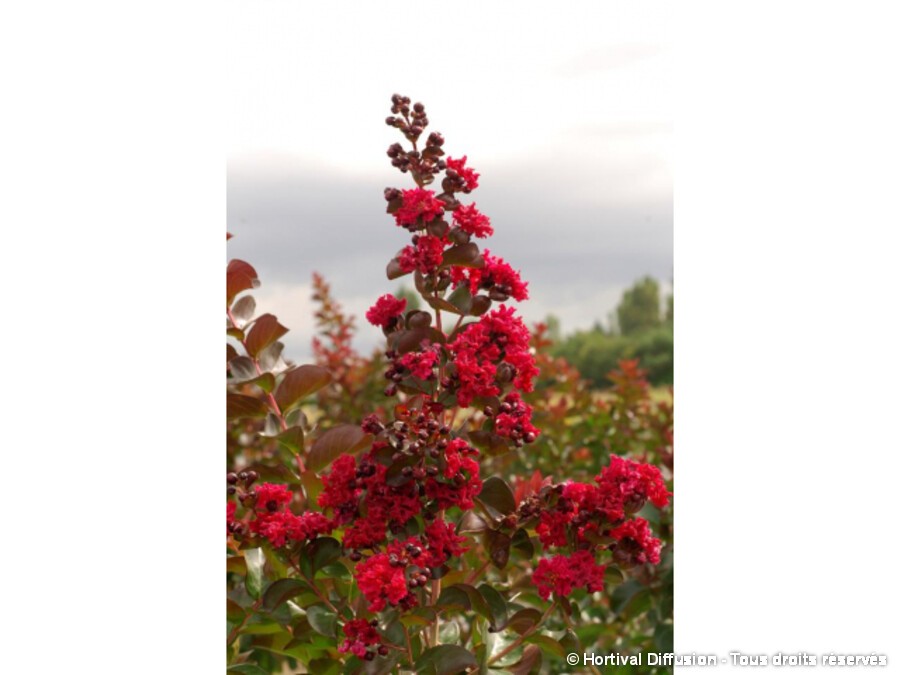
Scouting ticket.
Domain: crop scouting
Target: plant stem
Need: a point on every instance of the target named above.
(477, 573)
(524, 635)
(408, 646)
(273, 404)
(569, 625)
(237, 629)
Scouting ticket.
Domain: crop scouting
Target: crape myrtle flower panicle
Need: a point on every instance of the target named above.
(360, 634)
(497, 277)
(472, 221)
(634, 483)
(636, 543)
(561, 574)
(386, 310)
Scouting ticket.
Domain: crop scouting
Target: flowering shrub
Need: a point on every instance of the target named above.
(381, 545)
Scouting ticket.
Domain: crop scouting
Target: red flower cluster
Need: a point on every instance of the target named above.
(273, 519)
(382, 583)
(386, 310)
(458, 167)
(585, 514)
(492, 352)
(560, 574)
(472, 221)
(419, 207)
(634, 483)
(636, 544)
(514, 420)
(420, 364)
(424, 256)
(497, 277)
(360, 635)
(437, 474)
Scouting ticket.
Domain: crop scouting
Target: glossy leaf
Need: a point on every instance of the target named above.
(529, 663)
(255, 560)
(464, 255)
(498, 545)
(471, 522)
(282, 591)
(298, 383)
(322, 619)
(346, 439)
(234, 612)
(264, 332)
(238, 406)
(394, 271)
(445, 660)
(242, 310)
(240, 276)
(524, 620)
(491, 443)
(270, 358)
(547, 644)
(242, 369)
(461, 299)
(247, 669)
(497, 605)
(497, 494)
(323, 551)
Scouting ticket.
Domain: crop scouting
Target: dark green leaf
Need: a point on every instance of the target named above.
(474, 599)
(662, 637)
(445, 660)
(461, 299)
(322, 551)
(522, 542)
(298, 383)
(345, 439)
(247, 669)
(234, 612)
(523, 620)
(547, 644)
(497, 494)
(322, 619)
(440, 303)
(497, 605)
(453, 597)
(255, 560)
(238, 406)
(264, 332)
(281, 591)
(326, 666)
(292, 439)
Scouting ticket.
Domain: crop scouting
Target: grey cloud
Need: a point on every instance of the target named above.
(579, 233)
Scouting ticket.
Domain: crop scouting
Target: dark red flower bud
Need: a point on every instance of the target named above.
(232, 478)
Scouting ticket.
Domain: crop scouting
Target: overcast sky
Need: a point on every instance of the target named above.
(565, 110)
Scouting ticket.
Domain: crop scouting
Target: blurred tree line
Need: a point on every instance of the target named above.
(639, 328)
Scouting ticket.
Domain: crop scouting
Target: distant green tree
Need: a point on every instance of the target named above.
(553, 327)
(639, 308)
(412, 298)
